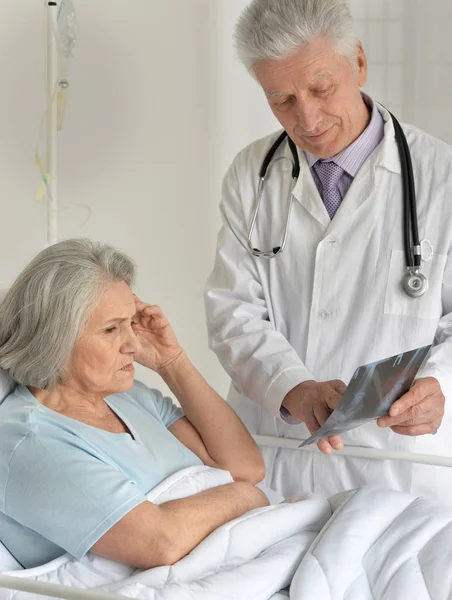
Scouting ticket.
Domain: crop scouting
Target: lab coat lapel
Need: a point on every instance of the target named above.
(369, 179)
(386, 156)
(361, 190)
(307, 194)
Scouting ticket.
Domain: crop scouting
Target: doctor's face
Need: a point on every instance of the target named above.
(315, 95)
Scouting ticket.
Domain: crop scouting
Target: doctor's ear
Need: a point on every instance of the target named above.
(361, 66)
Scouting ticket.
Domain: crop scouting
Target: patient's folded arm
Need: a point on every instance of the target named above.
(150, 535)
(211, 429)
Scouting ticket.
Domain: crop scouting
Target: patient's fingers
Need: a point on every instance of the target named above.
(145, 305)
(152, 310)
(150, 313)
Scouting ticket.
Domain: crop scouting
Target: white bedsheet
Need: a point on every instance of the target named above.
(366, 544)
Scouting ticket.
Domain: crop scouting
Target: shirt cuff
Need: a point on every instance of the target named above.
(287, 417)
(281, 385)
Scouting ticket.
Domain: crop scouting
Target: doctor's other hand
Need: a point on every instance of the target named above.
(159, 347)
(312, 403)
(419, 411)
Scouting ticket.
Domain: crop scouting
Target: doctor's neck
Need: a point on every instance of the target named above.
(364, 117)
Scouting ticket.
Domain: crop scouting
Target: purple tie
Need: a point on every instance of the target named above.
(329, 174)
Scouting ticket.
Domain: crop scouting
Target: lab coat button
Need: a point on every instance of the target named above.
(323, 315)
(332, 241)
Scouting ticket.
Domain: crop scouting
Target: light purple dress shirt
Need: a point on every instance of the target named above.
(354, 156)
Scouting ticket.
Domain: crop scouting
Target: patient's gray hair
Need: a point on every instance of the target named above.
(43, 313)
(274, 29)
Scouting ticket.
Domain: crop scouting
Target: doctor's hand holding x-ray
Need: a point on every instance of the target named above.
(335, 252)
(312, 403)
(418, 412)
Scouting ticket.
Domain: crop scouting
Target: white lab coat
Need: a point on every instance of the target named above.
(331, 302)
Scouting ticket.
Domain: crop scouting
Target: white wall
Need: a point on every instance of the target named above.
(138, 146)
(158, 107)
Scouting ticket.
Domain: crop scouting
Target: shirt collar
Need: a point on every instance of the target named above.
(352, 158)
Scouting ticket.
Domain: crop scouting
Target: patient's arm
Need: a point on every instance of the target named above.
(150, 535)
(211, 428)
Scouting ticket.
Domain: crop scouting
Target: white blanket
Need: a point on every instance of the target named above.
(366, 544)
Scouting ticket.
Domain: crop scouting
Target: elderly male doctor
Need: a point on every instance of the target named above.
(291, 330)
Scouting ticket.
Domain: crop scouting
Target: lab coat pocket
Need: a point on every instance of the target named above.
(428, 306)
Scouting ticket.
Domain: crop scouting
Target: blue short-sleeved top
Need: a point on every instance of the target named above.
(64, 484)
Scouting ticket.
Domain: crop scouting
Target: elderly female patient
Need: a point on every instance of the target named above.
(81, 442)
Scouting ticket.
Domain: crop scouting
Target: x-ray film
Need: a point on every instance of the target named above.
(371, 392)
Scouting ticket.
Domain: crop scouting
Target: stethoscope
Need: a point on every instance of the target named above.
(414, 283)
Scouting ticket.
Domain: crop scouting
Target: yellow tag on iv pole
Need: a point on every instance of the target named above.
(42, 190)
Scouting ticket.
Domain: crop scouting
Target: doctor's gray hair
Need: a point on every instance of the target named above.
(274, 29)
(43, 313)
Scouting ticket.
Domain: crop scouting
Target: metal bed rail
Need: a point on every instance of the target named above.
(357, 451)
(53, 589)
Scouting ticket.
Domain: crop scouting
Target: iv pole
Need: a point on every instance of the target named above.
(52, 122)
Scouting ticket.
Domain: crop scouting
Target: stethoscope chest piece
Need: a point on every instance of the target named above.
(414, 283)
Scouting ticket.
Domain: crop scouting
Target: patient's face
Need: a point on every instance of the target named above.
(102, 359)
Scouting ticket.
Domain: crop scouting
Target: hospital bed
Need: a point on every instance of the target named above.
(379, 532)
(313, 515)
